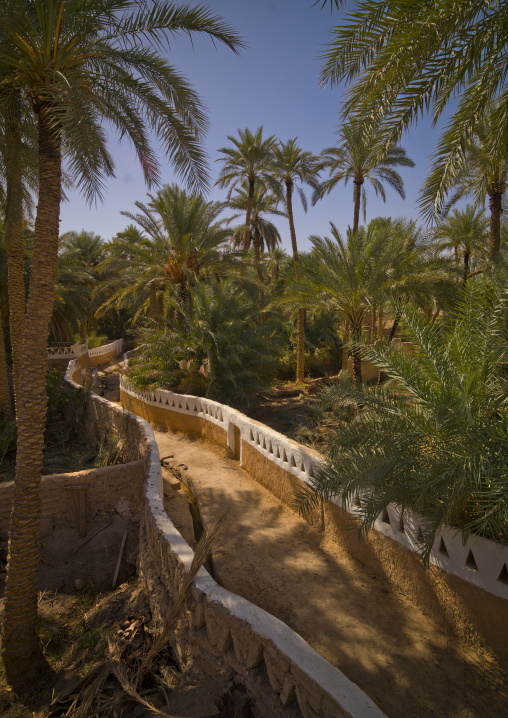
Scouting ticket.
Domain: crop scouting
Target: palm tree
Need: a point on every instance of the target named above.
(434, 439)
(179, 242)
(480, 170)
(355, 275)
(406, 57)
(249, 160)
(78, 65)
(342, 274)
(263, 234)
(20, 171)
(291, 165)
(466, 233)
(84, 251)
(359, 157)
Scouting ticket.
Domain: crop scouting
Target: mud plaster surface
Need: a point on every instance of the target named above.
(407, 664)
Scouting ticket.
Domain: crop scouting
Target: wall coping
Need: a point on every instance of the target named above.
(478, 561)
(331, 680)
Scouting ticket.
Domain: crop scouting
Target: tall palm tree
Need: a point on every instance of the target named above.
(263, 234)
(249, 160)
(466, 233)
(479, 170)
(78, 65)
(18, 142)
(359, 156)
(291, 165)
(404, 58)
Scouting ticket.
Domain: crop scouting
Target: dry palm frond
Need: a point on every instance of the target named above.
(130, 663)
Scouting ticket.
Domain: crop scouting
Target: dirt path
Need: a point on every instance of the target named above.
(266, 553)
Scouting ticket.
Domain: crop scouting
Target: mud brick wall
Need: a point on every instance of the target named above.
(467, 598)
(106, 488)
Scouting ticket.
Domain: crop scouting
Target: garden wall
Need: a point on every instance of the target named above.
(226, 634)
(465, 588)
(104, 490)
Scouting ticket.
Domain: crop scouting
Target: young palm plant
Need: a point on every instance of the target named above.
(79, 65)
(434, 439)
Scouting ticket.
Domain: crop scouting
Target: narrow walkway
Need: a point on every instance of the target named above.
(359, 622)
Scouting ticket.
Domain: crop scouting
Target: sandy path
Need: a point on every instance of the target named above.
(267, 554)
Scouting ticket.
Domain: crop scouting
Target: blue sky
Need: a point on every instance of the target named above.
(273, 83)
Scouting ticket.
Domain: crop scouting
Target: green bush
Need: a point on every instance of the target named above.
(434, 439)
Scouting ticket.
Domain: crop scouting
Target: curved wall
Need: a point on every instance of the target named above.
(226, 633)
(466, 587)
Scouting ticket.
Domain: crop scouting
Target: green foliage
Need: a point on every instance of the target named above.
(405, 58)
(221, 332)
(434, 439)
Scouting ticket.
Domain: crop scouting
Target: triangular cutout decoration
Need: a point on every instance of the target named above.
(442, 548)
(251, 435)
(195, 408)
(302, 466)
(293, 462)
(311, 472)
(503, 576)
(284, 457)
(470, 562)
(385, 518)
(402, 528)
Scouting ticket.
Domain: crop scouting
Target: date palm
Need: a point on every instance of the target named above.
(359, 157)
(479, 170)
(293, 167)
(79, 65)
(177, 241)
(466, 233)
(433, 440)
(248, 160)
(404, 58)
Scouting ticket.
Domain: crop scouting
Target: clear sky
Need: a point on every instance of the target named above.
(274, 83)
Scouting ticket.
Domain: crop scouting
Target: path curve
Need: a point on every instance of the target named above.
(360, 623)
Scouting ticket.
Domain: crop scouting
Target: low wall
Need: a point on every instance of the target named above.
(227, 634)
(106, 489)
(466, 587)
(106, 353)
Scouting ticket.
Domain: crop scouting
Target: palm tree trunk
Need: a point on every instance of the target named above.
(257, 255)
(289, 207)
(496, 192)
(357, 199)
(381, 376)
(356, 355)
(14, 238)
(380, 325)
(19, 637)
(300, 327)
(5, 394)
(465, 270)
(152, 308)
(250, 202)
